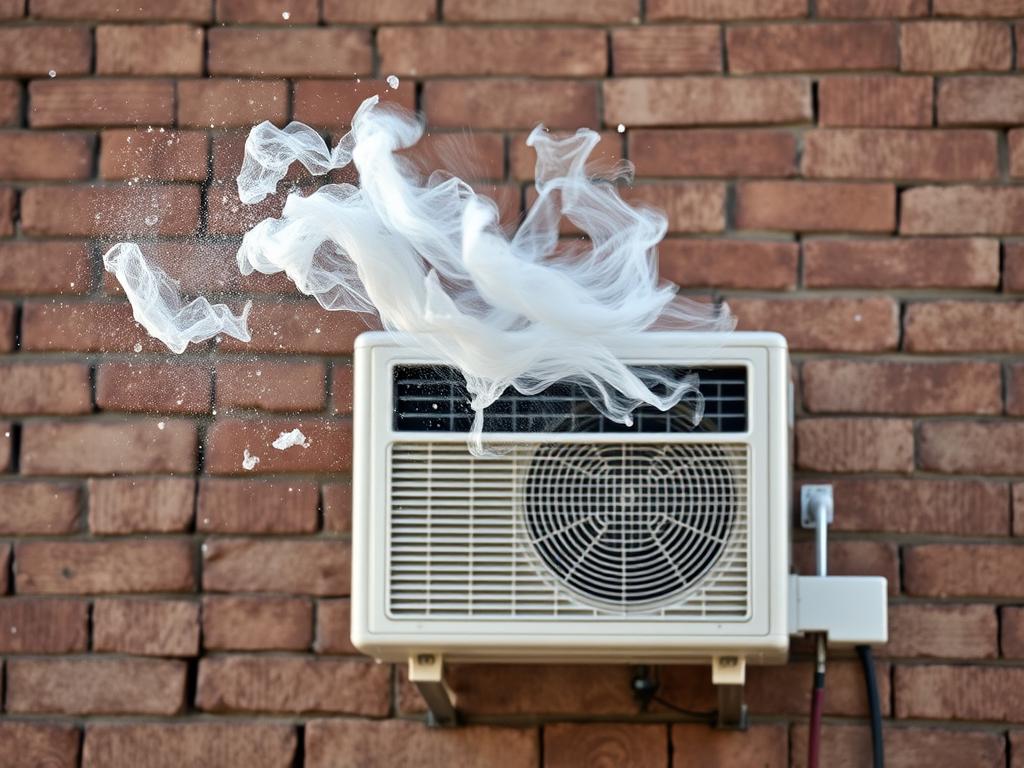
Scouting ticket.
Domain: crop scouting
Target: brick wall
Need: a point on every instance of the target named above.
(843, 171)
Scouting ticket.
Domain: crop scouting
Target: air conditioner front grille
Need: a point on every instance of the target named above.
(431, 398)
(569, 530)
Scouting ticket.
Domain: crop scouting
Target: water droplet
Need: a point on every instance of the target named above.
(161, 424)
(151, 220)
(137, 347)
(621, 128)
(52, 73)
(393, 81)
(285, 15)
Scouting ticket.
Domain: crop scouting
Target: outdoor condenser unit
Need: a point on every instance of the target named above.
(579, 539)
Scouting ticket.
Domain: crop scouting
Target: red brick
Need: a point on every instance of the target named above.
(43, 626)
(783, 689)
(981, 100)
(10, 102)
(107, 102)
(963, 570)
(294, 567)
(30, 745)
(30, 388)
(938, 691)
(604, 160)
(101, 10)
(566, 11)
(690, 206)
(304, 328)
(710, 152)
(695, 746)
(832, 324)
(849, 746)
(942, 631)
(1018, 509)
(6, 446)
(29, 268)
(863, 9)
(229, 102)
(107, 447)
(332, 103)
(665, 10)
(292, 684)
(225, 215)
(7, 198)
(964, 326)
(1012, 635)
(902, 263)
(900, 154)
(850, 386)
(172, 49)
(269, 386)
(377, 744)
(1016, 143)
(89, 327)
(268, 11)
(140, 505)
(146, 627)
(7, 327)
(153, 155)
(875, 100)
(1015, 390)
(855, 445)
(810, 47)
(96, 686)
(983, 448)
(243, 506)
(959, 210)
(330, 448)
(852, 558)
(103, 567)
(337, 499)
(651, 101)
(257, 623)
(379, 11)
(33, 51)
(173, 745)
(807, 206)
(28, 156)
(156, 387)
(39, 507)
(955, 46)
(695, 262)
(5, 567)
(978, 7)
(1013, 267)
(333, 627)
(504, 104)
(576, 745)
(667, 50)
(90, 211)
(289, 52)
(562, 52)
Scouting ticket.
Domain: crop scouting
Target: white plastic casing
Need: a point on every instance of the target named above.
(761, 637)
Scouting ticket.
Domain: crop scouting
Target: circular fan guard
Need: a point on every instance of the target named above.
(629, 524)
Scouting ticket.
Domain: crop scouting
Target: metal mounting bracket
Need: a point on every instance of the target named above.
(426, 672)
(729, 673)
(811, 496)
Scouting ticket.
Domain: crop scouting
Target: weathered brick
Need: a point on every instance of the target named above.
(172, 49)
(304, 328)
(901, 263)
(664, 10)
(29, 156)
(849, 746)
(567, 11)
(562, 52)
(691, 206)
(6, 326)
(146, 627)
(333, 627)
(268, 11)
(849, 386)
(900, 154)
(242, 506)
(10, 102)
(504, 103)
(342, 388)
(1012, 632)
(33, 51)
(1015, 390)
(863, 9)
(292, 684)
(156, 387)
(257, 623)
(270, 386)
(30, 745)
(332, 103)
(832, 324)
(44, 388)
(337, 499)
(1013, 267)
(963, 570)
(103, 567)
(855, 445)
(106, 447)
(174, 745)
(379, 11)
(43, 626)
(90, 211)
(81, 327)
(5, 566)
(729, 263)
(96, 686)
(964, 326)
(291, 566)
(942, 631)
(107, 102)
(875, 100)
(228, 102)
(376, 744)
(667, 50)
(978, 7)
(961, 210)
(1016, 144)
(289, 52)
(852, 558)
(955, 46)
(695, 746)
(782, 689)
(153, 155)
(984, 448)
(39, 507)
(652, 101)
(29, 268)
(981, 100)
(810, 47)
(101, 10)
(713, 152)
(330, 446)
(140, 505)
(807, 206)
(939, 691)
(1018, 509)
(7, 200)
(573, 745)
(6, 446)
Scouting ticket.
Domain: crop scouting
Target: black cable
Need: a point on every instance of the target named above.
(646, 683)
(867, 661)
(700, 716)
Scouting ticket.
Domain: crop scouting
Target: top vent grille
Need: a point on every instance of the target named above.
(431, 398)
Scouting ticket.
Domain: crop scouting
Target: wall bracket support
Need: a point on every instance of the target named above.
(426, 672)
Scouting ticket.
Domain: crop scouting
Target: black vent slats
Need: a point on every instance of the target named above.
(431, 398)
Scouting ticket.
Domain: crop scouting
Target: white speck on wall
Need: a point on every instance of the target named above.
(288, 440)
(285, 15)
(52, 73)
(249, 462)
(137, 347)
(621, 128)
(161, 425)
(393, 81)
